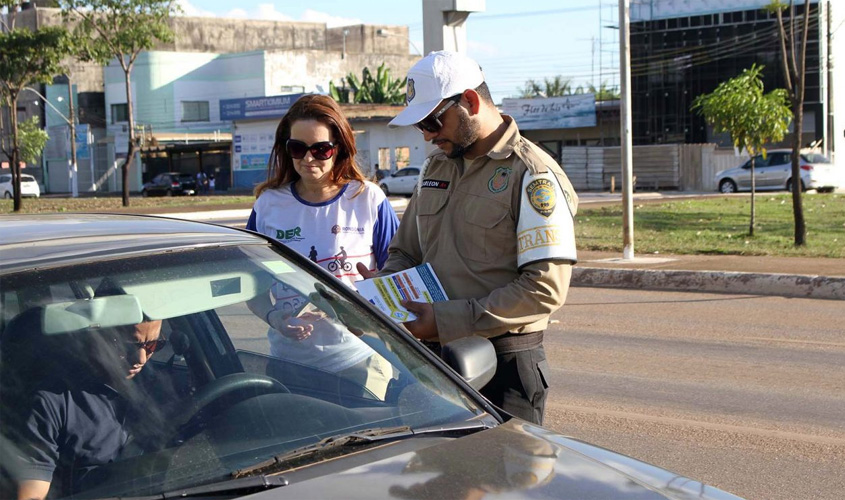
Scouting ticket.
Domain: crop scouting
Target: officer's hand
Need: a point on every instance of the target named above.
(364, 271)
(424, 327)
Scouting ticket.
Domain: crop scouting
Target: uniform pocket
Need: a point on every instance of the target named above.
(430, 210)
(490, 233)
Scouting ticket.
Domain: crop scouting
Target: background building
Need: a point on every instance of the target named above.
(177, 88)
(680, 50)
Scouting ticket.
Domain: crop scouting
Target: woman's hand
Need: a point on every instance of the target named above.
(298, 328)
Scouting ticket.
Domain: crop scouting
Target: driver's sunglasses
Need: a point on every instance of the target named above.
(432, 123)
(319, 150)
(150, 346)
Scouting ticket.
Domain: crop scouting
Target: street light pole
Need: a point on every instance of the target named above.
(72, 179)
(385, 33)
(626, 143)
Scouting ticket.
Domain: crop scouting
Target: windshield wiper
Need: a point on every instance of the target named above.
(364, 437)
(239, 487)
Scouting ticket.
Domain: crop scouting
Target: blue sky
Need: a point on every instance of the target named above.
(512, 41)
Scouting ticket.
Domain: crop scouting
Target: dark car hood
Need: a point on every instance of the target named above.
(514, 460)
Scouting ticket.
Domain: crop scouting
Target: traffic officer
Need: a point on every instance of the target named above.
(493, 215)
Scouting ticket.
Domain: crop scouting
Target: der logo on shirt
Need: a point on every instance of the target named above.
(294, 234)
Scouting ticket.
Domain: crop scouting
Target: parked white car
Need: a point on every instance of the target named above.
(775, 172)
(29, 186)
(402, 181)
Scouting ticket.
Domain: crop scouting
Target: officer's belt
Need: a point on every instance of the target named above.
(515, 342)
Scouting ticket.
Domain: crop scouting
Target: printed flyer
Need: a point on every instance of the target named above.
(418, 284)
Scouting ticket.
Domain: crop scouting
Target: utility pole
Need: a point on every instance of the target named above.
(626, 143)
(74, 180)
(831, 129)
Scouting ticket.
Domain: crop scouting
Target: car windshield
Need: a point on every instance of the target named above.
(814, 158)
(176, 344)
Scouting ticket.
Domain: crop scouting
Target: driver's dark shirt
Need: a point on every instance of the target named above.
(70, 432)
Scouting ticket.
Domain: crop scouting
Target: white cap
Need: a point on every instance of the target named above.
(433, 78)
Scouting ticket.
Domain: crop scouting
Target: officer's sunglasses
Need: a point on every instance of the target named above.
(319, 150)
(432, 123)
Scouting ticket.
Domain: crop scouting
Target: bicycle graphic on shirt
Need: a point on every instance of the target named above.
(339, 261)
(336, 264)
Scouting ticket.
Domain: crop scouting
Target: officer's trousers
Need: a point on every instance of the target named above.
(520, 385)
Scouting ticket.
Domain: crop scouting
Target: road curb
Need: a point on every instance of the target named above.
(785, 285)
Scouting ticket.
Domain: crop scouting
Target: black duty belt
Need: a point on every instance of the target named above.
(515, 342)
(504, 344)
(432, 346)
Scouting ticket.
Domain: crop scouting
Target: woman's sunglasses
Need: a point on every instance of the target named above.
(319, 150)
(432, 123)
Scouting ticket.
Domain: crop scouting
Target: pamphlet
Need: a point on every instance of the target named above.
(418, 284)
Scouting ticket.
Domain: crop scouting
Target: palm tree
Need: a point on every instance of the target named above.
(558, 86)
(378, 89)
(603, 92)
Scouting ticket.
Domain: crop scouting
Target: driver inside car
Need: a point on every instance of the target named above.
(86, 418)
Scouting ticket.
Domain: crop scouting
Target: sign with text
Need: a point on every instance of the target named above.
(250, 108)
(548, 113)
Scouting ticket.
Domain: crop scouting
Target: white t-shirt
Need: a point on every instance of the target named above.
(335, 234)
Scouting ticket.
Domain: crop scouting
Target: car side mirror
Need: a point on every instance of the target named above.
(474, 358)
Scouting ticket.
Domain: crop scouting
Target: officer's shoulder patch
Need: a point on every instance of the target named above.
(542, 196)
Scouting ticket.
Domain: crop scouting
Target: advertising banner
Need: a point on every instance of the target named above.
(256, 107)
(552, 112)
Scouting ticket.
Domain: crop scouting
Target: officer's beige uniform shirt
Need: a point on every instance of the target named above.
(462, 220)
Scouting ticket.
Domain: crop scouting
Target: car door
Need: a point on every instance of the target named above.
(744, 178)
(777, 171)
(6, 185)
(408, 179)
(154, 188)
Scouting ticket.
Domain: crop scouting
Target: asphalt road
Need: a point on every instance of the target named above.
(746, 393)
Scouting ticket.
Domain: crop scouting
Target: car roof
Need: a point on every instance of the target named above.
(50, 239)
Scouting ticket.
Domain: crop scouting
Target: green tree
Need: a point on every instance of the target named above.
(375, 89)
(560, 86)
(26, 58)
(32, 139)
(555, 87)
(753, 119)
(793, 61)
(603, 92)
(120, 29)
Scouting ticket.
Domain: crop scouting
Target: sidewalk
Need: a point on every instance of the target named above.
(758, 275)
(821, 278)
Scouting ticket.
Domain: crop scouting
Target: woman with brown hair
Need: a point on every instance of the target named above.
(316, 196)
(317, 202)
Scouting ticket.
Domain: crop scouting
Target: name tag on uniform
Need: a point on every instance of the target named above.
(435, 184)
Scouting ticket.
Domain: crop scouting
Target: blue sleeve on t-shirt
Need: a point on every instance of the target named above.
(251, 224)
(385, 228)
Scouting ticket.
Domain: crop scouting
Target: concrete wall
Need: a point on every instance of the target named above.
(364, 39)
(210, 34)
(312, 70)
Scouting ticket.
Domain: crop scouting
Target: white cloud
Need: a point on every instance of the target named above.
(237, 14)
(191, 10)
(313, 16)
(268, 12)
